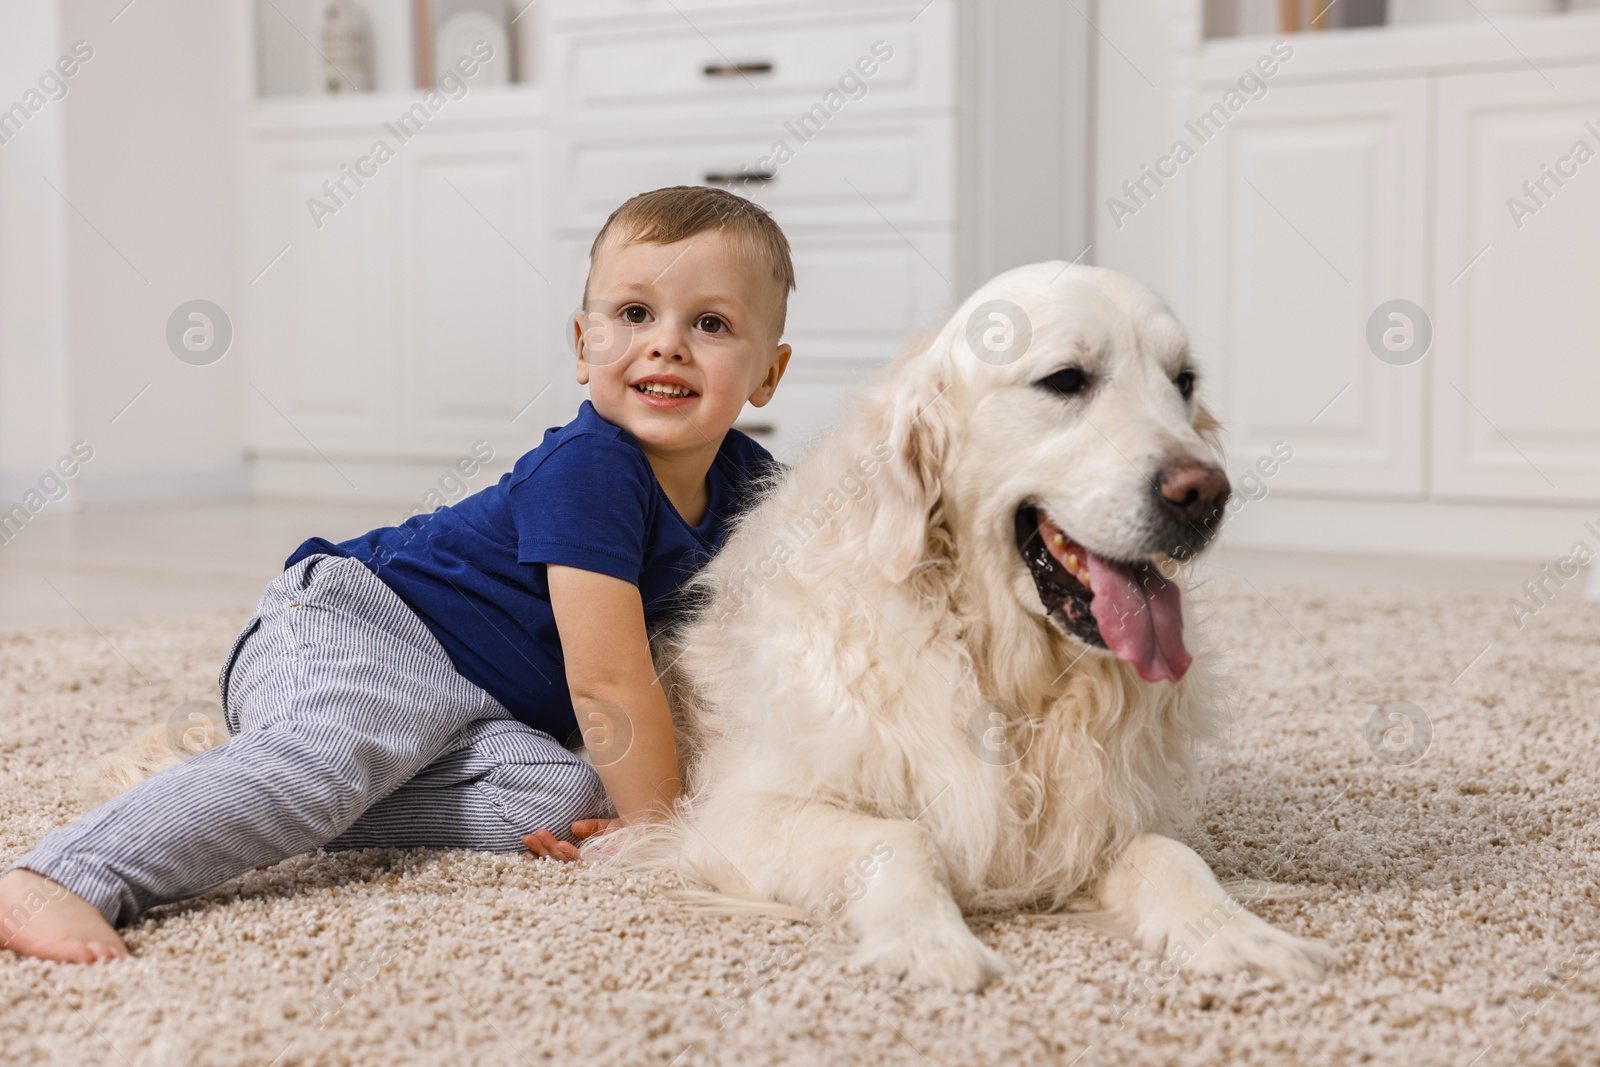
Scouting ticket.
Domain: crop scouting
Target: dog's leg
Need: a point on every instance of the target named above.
(1162, 895)
(883, 879)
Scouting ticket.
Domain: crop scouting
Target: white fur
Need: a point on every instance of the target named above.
(827, 687)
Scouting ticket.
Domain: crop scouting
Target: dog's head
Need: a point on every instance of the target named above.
(1055, 427)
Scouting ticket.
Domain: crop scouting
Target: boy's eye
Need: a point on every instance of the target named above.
(634, 314)
(712, 324)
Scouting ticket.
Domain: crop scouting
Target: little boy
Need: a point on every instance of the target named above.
(406, 688)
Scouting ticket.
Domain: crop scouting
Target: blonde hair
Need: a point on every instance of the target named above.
(666, 216)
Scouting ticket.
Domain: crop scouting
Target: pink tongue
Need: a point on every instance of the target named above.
(1139, 616)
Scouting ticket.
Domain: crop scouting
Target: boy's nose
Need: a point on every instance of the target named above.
(667, 342)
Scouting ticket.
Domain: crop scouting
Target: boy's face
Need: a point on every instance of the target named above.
(694, 312)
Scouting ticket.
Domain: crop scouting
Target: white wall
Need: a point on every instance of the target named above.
(1023, 172)
(149, 146)
(1139, 110)
(34, 376)
(140, 149)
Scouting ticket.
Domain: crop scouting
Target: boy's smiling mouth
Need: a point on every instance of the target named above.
(663, 391)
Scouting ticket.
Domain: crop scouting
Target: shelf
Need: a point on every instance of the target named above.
(1394, 51)
(288, 50)
(293, 114)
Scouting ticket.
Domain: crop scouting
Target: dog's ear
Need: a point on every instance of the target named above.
(1206, 425)
(914, 429)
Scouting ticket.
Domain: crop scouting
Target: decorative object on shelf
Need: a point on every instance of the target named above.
(1244, 18)
(1241, 18)
(1297, 16)
(346, 48)
(450, 30)
(422, 37)
(461, 25)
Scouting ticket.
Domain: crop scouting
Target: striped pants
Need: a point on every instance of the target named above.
(349, 728)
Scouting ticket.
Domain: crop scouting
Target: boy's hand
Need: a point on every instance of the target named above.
(545, 845)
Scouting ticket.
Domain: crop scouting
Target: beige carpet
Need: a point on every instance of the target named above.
(1461, 891)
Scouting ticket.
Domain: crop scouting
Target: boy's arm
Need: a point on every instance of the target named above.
(621, 708)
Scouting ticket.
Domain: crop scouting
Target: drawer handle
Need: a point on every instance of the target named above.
(737, 70)
(756, 429)
(724, 178)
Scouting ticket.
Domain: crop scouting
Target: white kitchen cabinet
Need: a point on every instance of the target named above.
(428, 312)
(864, 188)
(1312, 208)
(417, 318)
(1382, 164)
(1516, 375)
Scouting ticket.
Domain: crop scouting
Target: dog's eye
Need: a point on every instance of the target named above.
(1069, 381)
(1185, 383)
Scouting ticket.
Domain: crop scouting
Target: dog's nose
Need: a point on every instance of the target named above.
(1194, 490)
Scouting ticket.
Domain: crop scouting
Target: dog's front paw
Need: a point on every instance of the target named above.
(943, 954)
(1247, 943)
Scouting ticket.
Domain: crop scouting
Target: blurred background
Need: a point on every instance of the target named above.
(278, 268)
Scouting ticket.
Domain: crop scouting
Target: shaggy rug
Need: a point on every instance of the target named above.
(1423, 803)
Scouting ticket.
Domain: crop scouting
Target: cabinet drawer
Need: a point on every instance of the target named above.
(809, 404)
(614, 11)
(865, 299)
(859, 301)
(856, 173)
(850, 63)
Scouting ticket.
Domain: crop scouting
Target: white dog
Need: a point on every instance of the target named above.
(938, 667)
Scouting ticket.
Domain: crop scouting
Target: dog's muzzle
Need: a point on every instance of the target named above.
(1130, 609)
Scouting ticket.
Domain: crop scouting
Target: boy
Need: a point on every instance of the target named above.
(406, 688)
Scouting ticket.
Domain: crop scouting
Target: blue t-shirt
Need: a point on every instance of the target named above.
(586, 497)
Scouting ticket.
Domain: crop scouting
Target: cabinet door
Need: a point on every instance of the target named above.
(318, 336)
(1517, 287)
(481, 337)
(1308, 213)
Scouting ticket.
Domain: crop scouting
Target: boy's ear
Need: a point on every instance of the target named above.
(769, 384)
(576, 322)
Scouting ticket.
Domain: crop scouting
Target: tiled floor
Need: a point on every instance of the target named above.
(109, 565)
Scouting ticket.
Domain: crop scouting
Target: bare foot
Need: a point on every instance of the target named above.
(46, 920)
